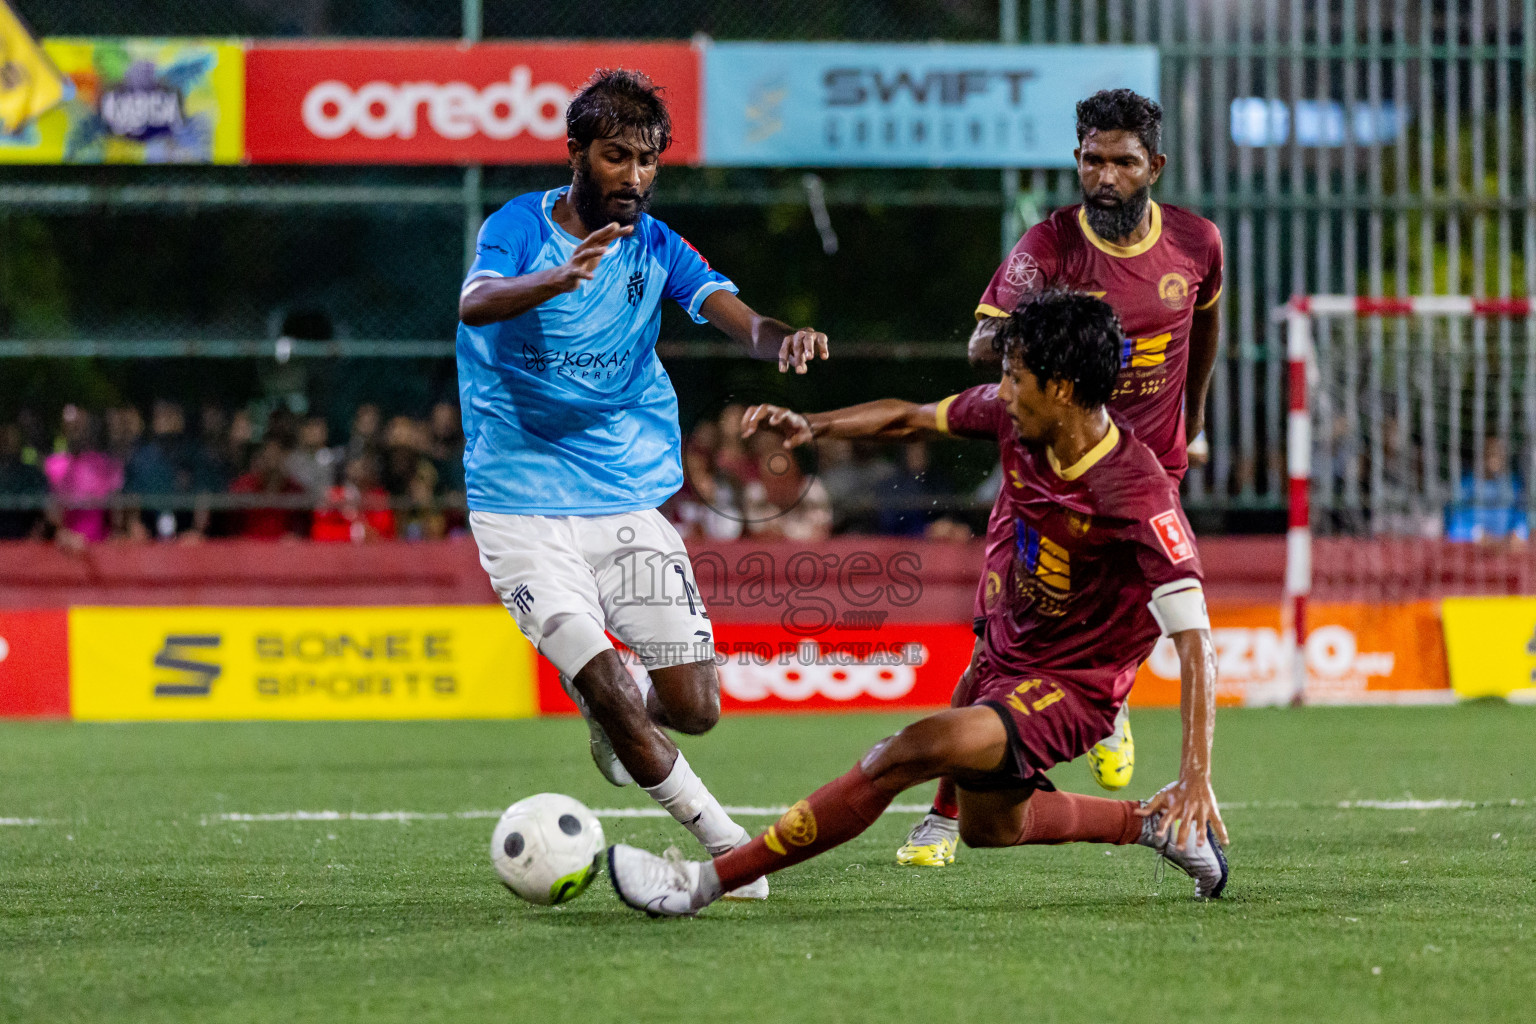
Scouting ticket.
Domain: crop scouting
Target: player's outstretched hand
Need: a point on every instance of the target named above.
(583, 262)
(795, 428)
(800, 348)
(1189, 805)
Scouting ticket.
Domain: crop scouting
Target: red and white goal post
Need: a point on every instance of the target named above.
(1406, 403)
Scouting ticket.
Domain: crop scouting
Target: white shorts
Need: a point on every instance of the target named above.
(567, 579)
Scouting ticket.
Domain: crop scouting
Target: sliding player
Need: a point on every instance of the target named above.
(573, 441)
(1101, 563)
(1159, 268)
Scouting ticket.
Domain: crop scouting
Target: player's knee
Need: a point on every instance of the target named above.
(698, 717)
(917, 750)
(986, 832)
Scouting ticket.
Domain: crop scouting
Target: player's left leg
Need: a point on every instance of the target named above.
(651, 603)
(962, 741)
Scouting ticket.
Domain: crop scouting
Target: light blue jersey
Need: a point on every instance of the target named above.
(567, 410)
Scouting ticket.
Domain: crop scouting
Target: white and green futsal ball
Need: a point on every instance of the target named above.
(546, 848)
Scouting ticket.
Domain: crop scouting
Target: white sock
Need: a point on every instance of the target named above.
(709, 888)
(683, 794)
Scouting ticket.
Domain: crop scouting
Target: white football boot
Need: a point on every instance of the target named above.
(931, 843)
(603, 755)
(1205, 862)
(660, 886)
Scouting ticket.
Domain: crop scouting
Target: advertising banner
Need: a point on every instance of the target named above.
(140, 101)
(34, 664)
(204, 664)
(441, 103)
(765, 667)
(909, 105)
(29, 83)
(1355, 653)
(1490, 643)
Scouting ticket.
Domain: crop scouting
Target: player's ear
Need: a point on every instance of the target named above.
(1158, 162)
(573, 149)
(1060, 391)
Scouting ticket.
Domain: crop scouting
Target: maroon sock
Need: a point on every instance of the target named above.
(1053, 817)
(832, 815)
(944, 801)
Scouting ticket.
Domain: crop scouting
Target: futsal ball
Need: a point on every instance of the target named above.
(547, 848)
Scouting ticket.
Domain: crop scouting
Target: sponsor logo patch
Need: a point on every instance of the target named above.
(1173, 289)
(1170, 534)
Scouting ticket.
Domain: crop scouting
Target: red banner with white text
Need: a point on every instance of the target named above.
(442, 103)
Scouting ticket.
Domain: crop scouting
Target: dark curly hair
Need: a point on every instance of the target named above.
(1121, 110)
(615, 101)
(1061, 335)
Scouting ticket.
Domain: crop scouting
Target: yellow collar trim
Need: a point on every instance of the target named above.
(1087, 462)
(1153, 234)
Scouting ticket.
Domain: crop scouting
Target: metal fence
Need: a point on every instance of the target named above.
(1346, 146)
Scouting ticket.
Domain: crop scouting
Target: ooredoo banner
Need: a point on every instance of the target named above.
(1355, 653)
(768, 668)
(441, 103)
(200, 664)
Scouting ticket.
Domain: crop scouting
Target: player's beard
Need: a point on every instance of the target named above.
(592, 205)
(1118, 221)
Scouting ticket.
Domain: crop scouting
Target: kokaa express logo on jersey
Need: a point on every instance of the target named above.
(1170, 534)
(567, 363)
(1173, 289)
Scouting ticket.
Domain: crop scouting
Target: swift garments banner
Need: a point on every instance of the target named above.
(441, 103)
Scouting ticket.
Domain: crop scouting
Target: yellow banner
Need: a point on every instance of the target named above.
(140, 101)
(29, 83)
(1490, 643)
(156, 664)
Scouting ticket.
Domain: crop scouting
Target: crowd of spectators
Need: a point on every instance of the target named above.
(754, 488)
(95, 476)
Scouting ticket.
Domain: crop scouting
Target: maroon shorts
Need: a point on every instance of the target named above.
(1049, 721)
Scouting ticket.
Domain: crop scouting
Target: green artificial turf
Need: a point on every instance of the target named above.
(134, 901)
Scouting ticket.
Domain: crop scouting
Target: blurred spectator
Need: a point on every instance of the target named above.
(237, 443)
(212, 468)
(125, 427)
(405, 447)
(19, 481)
(312, 464)
(904, 495)
(781, 501)
(267, 476)
(364, 438)
(161, 466)
(81, 473)
(1489, 504)
(358, 509)
(708, 505)
(423, 519)
(732, 457)
(447, 451)
(853, 475)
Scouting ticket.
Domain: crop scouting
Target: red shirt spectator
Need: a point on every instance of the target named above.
(266, 476)
(357, 510)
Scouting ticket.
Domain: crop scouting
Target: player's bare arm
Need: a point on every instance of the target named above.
(489, 300)
(888, 419)
(1204, 336)
(1189, 803)
(979, 349)
(765, 337)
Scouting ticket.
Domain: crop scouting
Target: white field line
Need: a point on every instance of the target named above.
(775, 811)
(24, 821)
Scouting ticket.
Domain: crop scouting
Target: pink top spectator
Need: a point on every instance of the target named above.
(84, 476)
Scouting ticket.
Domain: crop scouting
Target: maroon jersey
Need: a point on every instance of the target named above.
(1154, 286)
(1067, 596)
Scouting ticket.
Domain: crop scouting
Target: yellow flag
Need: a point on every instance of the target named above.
(29, 83)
